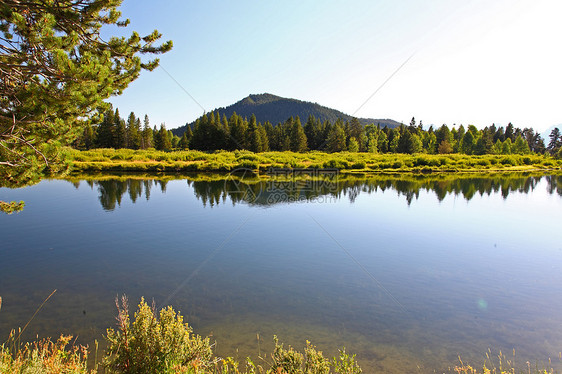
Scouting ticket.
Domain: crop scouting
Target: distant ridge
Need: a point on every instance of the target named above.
(276, 109)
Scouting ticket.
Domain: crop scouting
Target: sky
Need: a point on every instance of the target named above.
(441, 61)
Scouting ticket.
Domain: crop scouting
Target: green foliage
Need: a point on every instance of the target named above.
(56, 71)
(179, 161)
(336, 139)
(289, 361)
(163, 343)
(154, 343)
(353, 145)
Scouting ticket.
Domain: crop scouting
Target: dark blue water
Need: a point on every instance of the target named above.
(408, 274)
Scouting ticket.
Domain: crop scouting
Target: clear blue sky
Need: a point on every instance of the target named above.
(472, 62)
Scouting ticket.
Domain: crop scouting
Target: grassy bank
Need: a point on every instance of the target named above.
(126, 160)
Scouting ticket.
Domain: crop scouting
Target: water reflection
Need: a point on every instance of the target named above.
(270, 191)
(485, 274)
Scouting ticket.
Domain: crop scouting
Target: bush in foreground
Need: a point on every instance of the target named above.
(43, 357)
(163, 343)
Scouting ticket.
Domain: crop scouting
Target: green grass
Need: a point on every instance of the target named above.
(126, 160)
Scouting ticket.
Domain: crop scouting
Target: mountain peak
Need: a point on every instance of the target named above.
(276, 109)
(259, 99)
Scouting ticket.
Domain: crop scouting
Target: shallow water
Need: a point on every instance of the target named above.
(408, 274)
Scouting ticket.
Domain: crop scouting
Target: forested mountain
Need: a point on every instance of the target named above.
(275, 110)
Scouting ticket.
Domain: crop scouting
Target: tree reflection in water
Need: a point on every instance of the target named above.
(265, 192)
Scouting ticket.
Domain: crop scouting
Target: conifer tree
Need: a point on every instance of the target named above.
(57, 71)
(253, 136)
(298, 137)
(106, 132)
(468, 143)
(520, 146)
(353, 145)
(336, 139)
(120, 131)
(133, 132)
(164, 142)
(555, 141)
(184, 141)
(382, 142)
(238, 130)
(506, 146)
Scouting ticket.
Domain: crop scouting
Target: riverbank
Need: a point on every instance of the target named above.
(126, 160)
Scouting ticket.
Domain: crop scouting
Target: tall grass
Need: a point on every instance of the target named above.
(223, 161)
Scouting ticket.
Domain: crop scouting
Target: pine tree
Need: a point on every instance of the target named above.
(497, 148)
(468, 143)
(506, 146)
(264, 139)
(353, 145)
(86, 141)
(106, 132)
(382, 142)
(509, 132)
(253, 136)
(355, 129)
(157, 139)
(238, 129)
(184, 141)
(147, 135)
(57, 71)
(336, 139)
(164, 142)
(520, 146)
(298, 137)
(133, 132)
(555, 141)
(429, 142)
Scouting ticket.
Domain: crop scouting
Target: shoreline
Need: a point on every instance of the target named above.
(123, 160)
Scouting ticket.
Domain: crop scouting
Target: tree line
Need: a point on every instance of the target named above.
(112, 131)
(213, 132)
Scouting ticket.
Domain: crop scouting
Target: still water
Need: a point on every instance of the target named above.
(406, 273)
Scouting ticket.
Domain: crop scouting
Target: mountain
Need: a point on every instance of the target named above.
(276, 109)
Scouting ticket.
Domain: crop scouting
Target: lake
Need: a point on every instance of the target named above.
(407, 272)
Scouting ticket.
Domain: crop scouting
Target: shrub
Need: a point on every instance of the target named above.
(335, 163)
(507, 161)
(397, 164)
(421, 161)
(44, 356)
(290, 361)
(154, 344)
(247, 164)
(358, 165)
